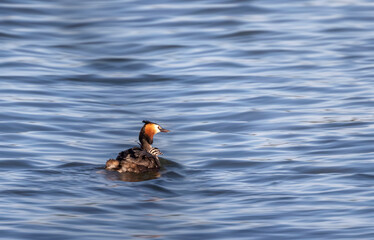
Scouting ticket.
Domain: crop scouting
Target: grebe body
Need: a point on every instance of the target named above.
(139, 159)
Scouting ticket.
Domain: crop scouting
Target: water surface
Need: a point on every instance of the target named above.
(269, 103)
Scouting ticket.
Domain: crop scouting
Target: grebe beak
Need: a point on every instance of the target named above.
(164, 130)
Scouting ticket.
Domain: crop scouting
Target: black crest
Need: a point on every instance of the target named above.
(146, 122)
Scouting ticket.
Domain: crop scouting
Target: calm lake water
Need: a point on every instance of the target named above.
(270, 104)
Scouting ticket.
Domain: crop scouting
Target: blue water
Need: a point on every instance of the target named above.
(269, 103)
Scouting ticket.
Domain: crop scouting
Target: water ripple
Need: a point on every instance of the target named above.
(269, 103)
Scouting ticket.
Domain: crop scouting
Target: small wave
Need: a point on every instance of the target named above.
(233, 164)
(78, 165)
(17, 164)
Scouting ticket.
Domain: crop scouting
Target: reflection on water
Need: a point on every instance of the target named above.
(131, 177)
(270, 103)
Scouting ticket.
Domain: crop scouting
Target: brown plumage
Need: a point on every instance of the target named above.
(112, 164)
(139, 159)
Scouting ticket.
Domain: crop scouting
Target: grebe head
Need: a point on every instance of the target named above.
(152, 128)
(148, 131)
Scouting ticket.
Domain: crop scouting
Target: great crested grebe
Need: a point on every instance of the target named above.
(139, 159)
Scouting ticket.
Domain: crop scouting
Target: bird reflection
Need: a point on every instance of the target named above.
(131, 177)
